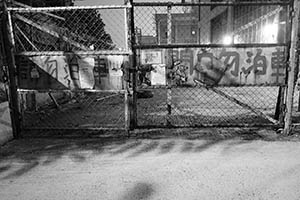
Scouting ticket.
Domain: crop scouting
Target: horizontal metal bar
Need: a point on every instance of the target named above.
(173, 46)
(225, 3)
(74, 128)
(60, 53)
(27, 6)
(209, 126)
(38, 9)
(71, 90)
(217, 86)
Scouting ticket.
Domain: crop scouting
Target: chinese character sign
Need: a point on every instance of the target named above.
(251, 66)
(70, 71)
(228, 66)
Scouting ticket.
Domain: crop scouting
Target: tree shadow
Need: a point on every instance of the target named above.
(21, 171)
(127, 147)
(167, 147)
(146, 148)
(30, 153)
(139, 191)
(207, 144)
(187, 147)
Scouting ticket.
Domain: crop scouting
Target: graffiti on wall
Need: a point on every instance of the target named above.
(70, 71)
(228, 66)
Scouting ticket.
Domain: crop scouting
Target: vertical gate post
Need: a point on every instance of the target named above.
(10, 59)
(133, 70)
(126, 66)
(169, 63)
(293, 69)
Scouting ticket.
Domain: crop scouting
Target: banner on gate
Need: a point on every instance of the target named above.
(222, 66)
(70, 71)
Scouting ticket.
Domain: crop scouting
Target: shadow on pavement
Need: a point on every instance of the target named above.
(28, 153)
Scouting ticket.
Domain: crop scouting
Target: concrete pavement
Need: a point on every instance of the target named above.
(164, 168)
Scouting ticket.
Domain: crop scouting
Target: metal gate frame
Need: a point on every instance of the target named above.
(285, 99)
(16, 92)
(280, 112)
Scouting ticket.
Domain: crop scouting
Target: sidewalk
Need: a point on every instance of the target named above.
(177, 167)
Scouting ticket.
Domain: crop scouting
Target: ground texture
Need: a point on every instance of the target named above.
(187, 164)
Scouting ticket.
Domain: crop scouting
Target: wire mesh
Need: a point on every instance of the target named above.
(199, 106)
(82, 29)
(3, 93)
(72, 110)
(296, 107)
(3, 77)
(171, 103)
(215, 24)
(176, 103)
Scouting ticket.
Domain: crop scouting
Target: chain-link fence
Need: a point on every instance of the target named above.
(196, 106)
(211, 22)
(212, 63)
(71, 66)
(3, 77)
(70, 29)
(73, 110)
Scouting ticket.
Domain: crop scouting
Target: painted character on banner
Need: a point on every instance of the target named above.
(278, 65)
(208, 70)
(231, 60)
(259, 66)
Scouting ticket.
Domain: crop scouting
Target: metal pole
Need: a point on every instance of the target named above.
(126, 28)
(9, 52)
(293, 68)
(283, 36)
(133, 70)
(170, 63)
(126, 72)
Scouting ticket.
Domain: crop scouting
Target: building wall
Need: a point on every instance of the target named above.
(245, 23)
(259, 24)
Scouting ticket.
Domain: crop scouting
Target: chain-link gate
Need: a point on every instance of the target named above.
(194, 64)
(218, 63)
(71, 66)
